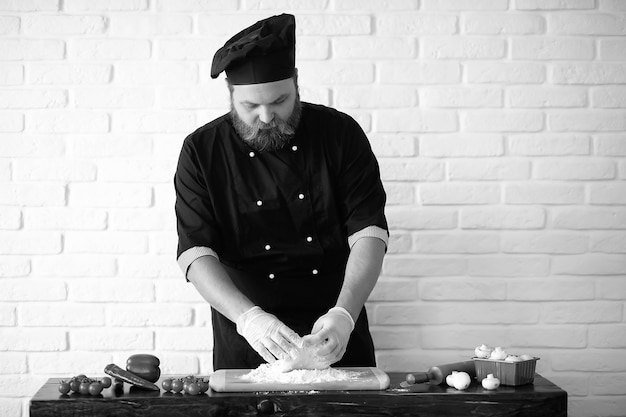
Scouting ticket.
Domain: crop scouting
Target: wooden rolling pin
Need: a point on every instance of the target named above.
(436, 375)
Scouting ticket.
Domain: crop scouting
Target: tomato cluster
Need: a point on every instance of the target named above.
(82, 384)
(189, 385)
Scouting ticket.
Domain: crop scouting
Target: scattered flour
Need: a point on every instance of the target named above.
(274, 373)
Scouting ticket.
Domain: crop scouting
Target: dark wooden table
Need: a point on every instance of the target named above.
(542, 398)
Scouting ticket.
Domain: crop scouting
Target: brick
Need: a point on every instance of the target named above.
(114, 98)
(498, 121)
(111, 339)
(29, 5)
(375, 5)
(589, 360)
(111, 290)
(27, 243)
(392, 145)
(9, 25)
(145, 121)
(544, 193)
(395, 338)
(608, 97)
(414, 314)
(32, 146)
(313, 48)
(149, 315)
(466, 145)
(485, 169)
(10, 218)
(160, 243)
(73, 74)
(110, 195)
(282, 4)
(416, 24)
(54, 170)
(183, 364)
(460, 97)
(587, 24)
(188, 49)
(41, 25)
(334, 25)
(33, 99)
(421, 218)
(574, 169)
(607, 384)
(5, 175)
(32, 194)
(611, 288)
(198, 5)
(590, 264)
(462, 48)
(74, 266)
(13, 363)
(459, 289)
(591, 121)
(505, 72)
(10, 266)
(503, 24)
(196, 97)
(607, 193)
(524, 337)
(588, 73)
(504, 217)
(65, 219)
(439, 243)
(607, 242)
(146, 25)
(547, 97)
(419, 72)
(11, 74)
(415, 170)
(28, 289)
(104, 5)
(544, 242)
(7, 316)
(591, 312)
(60, 314)
(499, 313)
(458, 337)
(11, 122)
(553, 4)
(389, 289)
(552, 48)
(466, 193)
(612, 49)
(613, 5)
(546, 144)
(104, 243)
(31, 50)
(110, 145)
(141, 219)
(64, 364)
(464, 5)
(177, 291)
(184, 339)
(366, 47)
(67, 121)
(508, 266)
(583, 218)
(374, 97)
(413, 120)
(32, 339)
(136, 170)
(337, 72)
(403, 266)
(551, 289)
(148, 266)
(109, 49)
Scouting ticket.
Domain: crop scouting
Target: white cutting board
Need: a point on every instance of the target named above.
(368, 378)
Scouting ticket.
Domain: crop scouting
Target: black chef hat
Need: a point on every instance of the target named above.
(264, 52)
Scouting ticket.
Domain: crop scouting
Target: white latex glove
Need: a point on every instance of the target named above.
(331, 331)
(268, 335)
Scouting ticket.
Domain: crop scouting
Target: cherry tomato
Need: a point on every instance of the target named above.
(204, 386)
(95, 388)
(74, 385)
(193, 388)
(106, 382)
(410, 378)
(177, 385)
(84, 387)
(64, 387)
(167, 385)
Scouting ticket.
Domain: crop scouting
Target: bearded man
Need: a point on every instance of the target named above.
(280, 213)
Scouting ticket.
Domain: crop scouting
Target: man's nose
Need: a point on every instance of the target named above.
(266, 115)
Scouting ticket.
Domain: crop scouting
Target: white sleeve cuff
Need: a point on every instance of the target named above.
(369, 231)
(190, 255)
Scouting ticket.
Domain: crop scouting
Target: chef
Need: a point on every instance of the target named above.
(280, 213)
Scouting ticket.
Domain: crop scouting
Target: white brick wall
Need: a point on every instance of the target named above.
(500, 127)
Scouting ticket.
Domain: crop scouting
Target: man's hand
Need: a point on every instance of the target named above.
(331, 331)
(268, 335)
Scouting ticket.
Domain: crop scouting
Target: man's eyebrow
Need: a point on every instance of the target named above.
(280, 98)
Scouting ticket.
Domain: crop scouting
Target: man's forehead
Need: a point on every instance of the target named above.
(265, 92)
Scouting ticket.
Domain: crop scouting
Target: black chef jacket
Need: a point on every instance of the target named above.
(279, 221)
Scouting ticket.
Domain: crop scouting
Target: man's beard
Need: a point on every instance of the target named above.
(268, 136)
